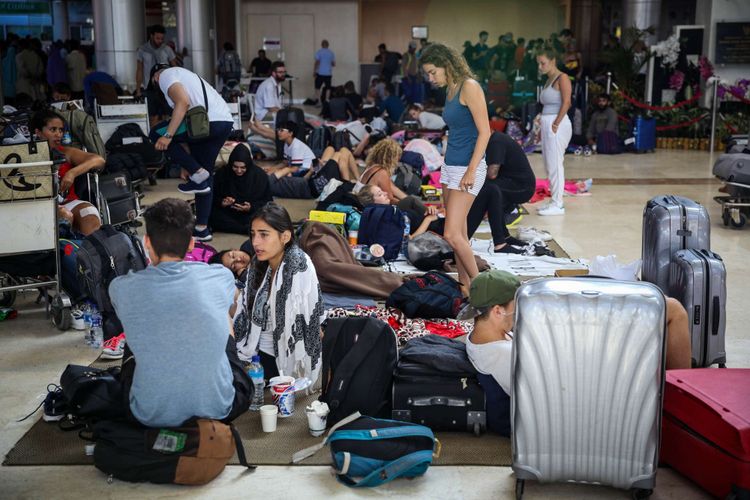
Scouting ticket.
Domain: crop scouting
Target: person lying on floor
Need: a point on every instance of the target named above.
(489, 346)
(82, 215)
(185, 355)
(280, 309)
(339, 165)
(234, 259)
(420, 216)
(240, 189)
(380, 166)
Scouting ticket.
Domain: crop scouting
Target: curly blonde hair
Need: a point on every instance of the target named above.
(385, 153)
(442, 56)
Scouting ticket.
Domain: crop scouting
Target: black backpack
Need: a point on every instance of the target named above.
(320, 138)
(122, 161)
(193, 453)
(359, 356)
(104, 255)
(129, 138)
(407, 180)
(432, 295)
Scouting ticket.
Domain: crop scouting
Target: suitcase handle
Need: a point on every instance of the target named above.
(439, 401)
(716, 317)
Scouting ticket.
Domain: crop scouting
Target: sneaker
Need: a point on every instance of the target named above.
(551, 210)
(513, 218)
(204, 235)
(191, 187)
(114, 347)
(511, 249)
(578, 151)
(76, 318)
(54, 404)
(587, 151)
(532, 233)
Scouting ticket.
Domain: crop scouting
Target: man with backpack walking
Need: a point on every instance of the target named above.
(230, 67)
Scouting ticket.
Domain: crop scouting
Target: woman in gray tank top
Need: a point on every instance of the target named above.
(556, 128)
(464, 169)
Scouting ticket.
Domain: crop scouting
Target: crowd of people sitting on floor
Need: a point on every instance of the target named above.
(269, 297)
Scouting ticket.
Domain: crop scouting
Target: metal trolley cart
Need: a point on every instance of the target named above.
(28, 220)
(735, 208)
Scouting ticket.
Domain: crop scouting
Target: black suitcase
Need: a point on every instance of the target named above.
(438, 400)
(122, 210)
(115, 186)
(697, 278)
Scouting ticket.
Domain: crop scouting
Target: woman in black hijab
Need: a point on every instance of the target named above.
(240, 189)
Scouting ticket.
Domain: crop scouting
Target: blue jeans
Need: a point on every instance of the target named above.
(202, 154)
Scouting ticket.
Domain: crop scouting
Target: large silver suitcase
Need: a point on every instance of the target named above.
(588, 377)
(671, 223)
(697, 278)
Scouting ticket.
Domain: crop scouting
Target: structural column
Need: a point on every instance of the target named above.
(118, 32)
(195, 21)
(60, 27)
(642, 14)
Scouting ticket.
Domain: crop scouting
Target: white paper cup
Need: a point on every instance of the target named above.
(268, 416)
(316, 424)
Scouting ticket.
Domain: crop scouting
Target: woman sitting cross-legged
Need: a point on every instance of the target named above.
(280, 310)
(241, 188)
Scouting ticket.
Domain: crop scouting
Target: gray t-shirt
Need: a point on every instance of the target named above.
(152, 56)
(175, 317)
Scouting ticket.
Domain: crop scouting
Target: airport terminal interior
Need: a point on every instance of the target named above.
(654, 96)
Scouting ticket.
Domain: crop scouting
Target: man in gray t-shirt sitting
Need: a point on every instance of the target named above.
(176, 319)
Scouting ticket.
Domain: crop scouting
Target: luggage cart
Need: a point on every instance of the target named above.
(28, 211)
(109, 117)
(735, 209)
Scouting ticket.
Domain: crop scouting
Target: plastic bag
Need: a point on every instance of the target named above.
(608, 266)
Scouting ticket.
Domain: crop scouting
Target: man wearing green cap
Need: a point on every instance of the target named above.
(489, 346)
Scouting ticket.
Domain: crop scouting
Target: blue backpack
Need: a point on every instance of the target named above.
(383, 224)
(370, 451)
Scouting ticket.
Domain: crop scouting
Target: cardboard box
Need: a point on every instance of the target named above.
(567, 273)
(328, 217)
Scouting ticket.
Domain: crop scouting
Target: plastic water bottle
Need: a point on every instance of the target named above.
(255, 372)
(87, 337)
(97, 333)
(405, 242)
(66, 138)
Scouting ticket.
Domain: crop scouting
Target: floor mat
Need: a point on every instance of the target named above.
(46, 444)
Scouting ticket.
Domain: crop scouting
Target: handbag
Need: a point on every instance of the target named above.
(93, 392)
(196, 118)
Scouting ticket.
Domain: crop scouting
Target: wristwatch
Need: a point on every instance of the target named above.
(167, 135)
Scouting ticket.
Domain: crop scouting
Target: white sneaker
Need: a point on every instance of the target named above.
(76, 319)
(552, 210)
(531, 234)
(114, 347)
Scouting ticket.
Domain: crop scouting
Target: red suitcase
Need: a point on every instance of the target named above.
(706, 428)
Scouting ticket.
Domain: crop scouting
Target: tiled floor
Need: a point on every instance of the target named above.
(609, 221)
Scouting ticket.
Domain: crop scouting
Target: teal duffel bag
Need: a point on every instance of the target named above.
(370, 451)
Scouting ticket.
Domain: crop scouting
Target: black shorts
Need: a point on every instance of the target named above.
(320, 80)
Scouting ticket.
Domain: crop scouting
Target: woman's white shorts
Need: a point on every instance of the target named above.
(451, 175)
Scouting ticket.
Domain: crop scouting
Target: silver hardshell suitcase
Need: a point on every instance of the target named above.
(588, 377)
(671, 223)
(697, 278)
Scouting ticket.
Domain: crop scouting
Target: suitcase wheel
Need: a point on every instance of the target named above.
(740, 222)
(640, 493)
(519, 488)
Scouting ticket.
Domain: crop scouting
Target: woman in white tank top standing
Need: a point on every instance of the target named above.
(556, 128)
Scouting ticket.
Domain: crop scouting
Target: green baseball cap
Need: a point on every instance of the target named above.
(492, 288)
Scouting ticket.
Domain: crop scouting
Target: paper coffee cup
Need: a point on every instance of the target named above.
(316, 424)
(268, 416)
